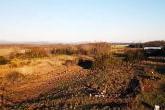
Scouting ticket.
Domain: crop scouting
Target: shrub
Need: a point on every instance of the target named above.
(3, 60)
(101, 61)
(36, 53)
(66, 51)
(18, 62)
(134, 55)
(101, 48)
(104, 61)
(82, 51)
(14, 77)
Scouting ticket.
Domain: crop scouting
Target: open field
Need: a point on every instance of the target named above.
(80, 77)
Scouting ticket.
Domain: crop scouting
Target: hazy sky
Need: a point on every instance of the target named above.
(82, 20)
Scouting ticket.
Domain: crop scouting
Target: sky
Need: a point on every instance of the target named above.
(82, 20)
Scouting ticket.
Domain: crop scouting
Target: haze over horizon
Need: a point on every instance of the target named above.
(82, 21)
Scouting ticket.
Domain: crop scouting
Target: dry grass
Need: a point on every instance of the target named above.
(39, 78)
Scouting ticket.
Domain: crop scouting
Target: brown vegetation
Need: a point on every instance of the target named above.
(84, 76)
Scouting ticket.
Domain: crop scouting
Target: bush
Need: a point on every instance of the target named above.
(14, 77)
(3, 60)
(18, 62)
(100, 48)
(36, 53)
(101, 61)
(134, 55)
(66, 51)
(104, 61)
(83, 49)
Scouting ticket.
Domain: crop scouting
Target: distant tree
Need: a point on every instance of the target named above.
(154, 43)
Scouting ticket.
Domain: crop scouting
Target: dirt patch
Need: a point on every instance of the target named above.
(85, 63)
